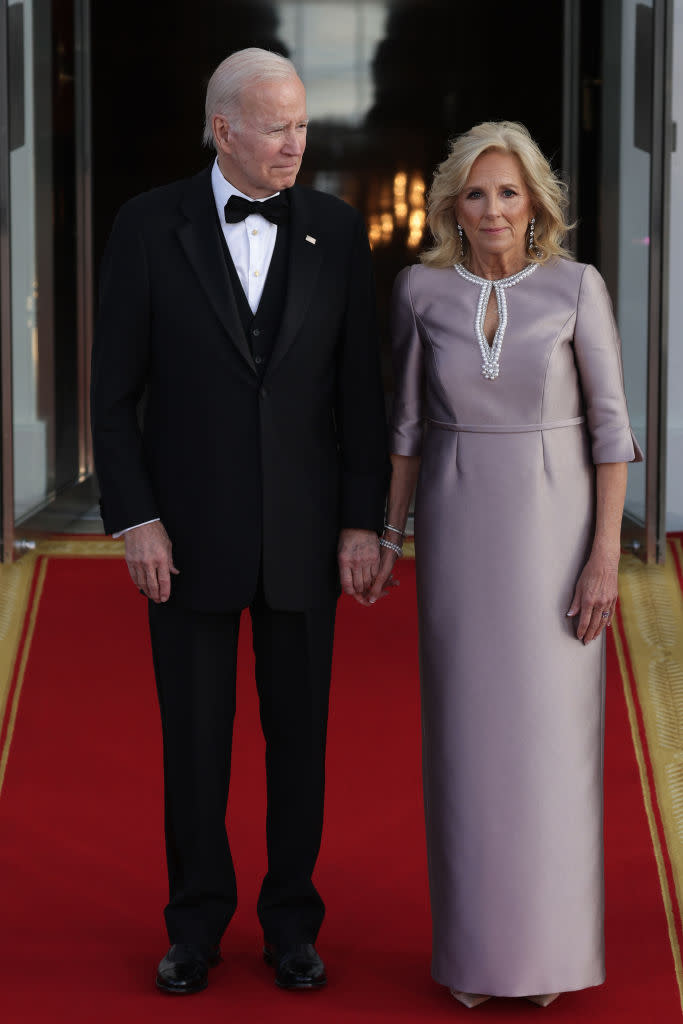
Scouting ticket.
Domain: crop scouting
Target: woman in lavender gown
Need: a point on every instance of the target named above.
(510, 417)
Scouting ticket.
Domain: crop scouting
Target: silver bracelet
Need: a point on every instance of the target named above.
(394, 529)
(392, 547)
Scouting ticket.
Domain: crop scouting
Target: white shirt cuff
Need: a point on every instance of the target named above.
(121, 532)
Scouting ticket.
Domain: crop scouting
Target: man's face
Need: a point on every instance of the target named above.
(262, 155)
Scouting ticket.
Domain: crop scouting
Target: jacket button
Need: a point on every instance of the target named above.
(256, 332)
(258, 360)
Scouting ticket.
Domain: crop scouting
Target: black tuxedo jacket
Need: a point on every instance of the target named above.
(240, 466)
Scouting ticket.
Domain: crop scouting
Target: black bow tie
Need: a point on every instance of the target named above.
(276, 209)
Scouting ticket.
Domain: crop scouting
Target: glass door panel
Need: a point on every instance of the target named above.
(30, 428)
(625, 235)
(635, 168)
(46, 391)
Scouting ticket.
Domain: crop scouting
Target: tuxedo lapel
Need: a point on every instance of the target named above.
(305, 258)
(199, 238)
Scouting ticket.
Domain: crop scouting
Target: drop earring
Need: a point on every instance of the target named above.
(533, 250)
(462, 246)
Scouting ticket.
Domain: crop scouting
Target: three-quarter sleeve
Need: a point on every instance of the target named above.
(598, 356)
(406, 428)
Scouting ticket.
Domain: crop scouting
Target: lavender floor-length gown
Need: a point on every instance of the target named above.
(512, 702)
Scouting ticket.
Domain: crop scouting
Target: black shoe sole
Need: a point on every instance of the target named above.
(307, 986)
(170, 991)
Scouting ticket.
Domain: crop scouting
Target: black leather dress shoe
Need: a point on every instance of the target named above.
(297, 967)
(185, 968)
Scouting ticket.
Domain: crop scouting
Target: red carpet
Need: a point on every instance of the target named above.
(82, 878)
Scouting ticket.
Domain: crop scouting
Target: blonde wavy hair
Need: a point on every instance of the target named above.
(548, 193)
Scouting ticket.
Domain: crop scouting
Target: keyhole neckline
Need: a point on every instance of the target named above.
(496, 282)
(490, 351)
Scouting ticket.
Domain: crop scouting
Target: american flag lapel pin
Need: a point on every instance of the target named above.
(311, 239)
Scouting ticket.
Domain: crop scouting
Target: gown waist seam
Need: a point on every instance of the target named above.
(502, 428)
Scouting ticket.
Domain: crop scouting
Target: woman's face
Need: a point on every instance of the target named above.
(494, 208)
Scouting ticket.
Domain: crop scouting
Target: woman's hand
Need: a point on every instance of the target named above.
(384, 579)
(404, 473)
(595, 596)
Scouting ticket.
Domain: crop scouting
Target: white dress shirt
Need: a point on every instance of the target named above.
(250, 242)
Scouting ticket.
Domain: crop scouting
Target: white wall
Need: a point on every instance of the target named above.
(674, 476)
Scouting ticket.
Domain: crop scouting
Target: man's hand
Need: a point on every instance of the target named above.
(358, 558)
(150, 561)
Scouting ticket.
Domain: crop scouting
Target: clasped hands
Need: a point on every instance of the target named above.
(365, 569)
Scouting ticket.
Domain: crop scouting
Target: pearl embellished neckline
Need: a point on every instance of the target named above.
(490, 354)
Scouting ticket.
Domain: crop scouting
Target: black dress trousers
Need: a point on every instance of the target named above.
(195, 656)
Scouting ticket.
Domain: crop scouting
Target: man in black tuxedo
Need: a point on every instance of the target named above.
(240, 307)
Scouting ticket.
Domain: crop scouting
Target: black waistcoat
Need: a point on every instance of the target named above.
(261, 327)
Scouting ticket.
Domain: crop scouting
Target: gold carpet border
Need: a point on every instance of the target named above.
(21, 672)
(649, 811)
(15, 591)
(651, 606)
(80, 547)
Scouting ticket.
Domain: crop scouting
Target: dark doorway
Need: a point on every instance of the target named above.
(388, 85)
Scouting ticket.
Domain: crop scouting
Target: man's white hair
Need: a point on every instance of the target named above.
(232, 75)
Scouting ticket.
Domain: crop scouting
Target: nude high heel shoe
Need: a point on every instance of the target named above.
(468, 999)
(545, 1000)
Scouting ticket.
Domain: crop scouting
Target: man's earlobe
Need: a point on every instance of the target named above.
(221, 133)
